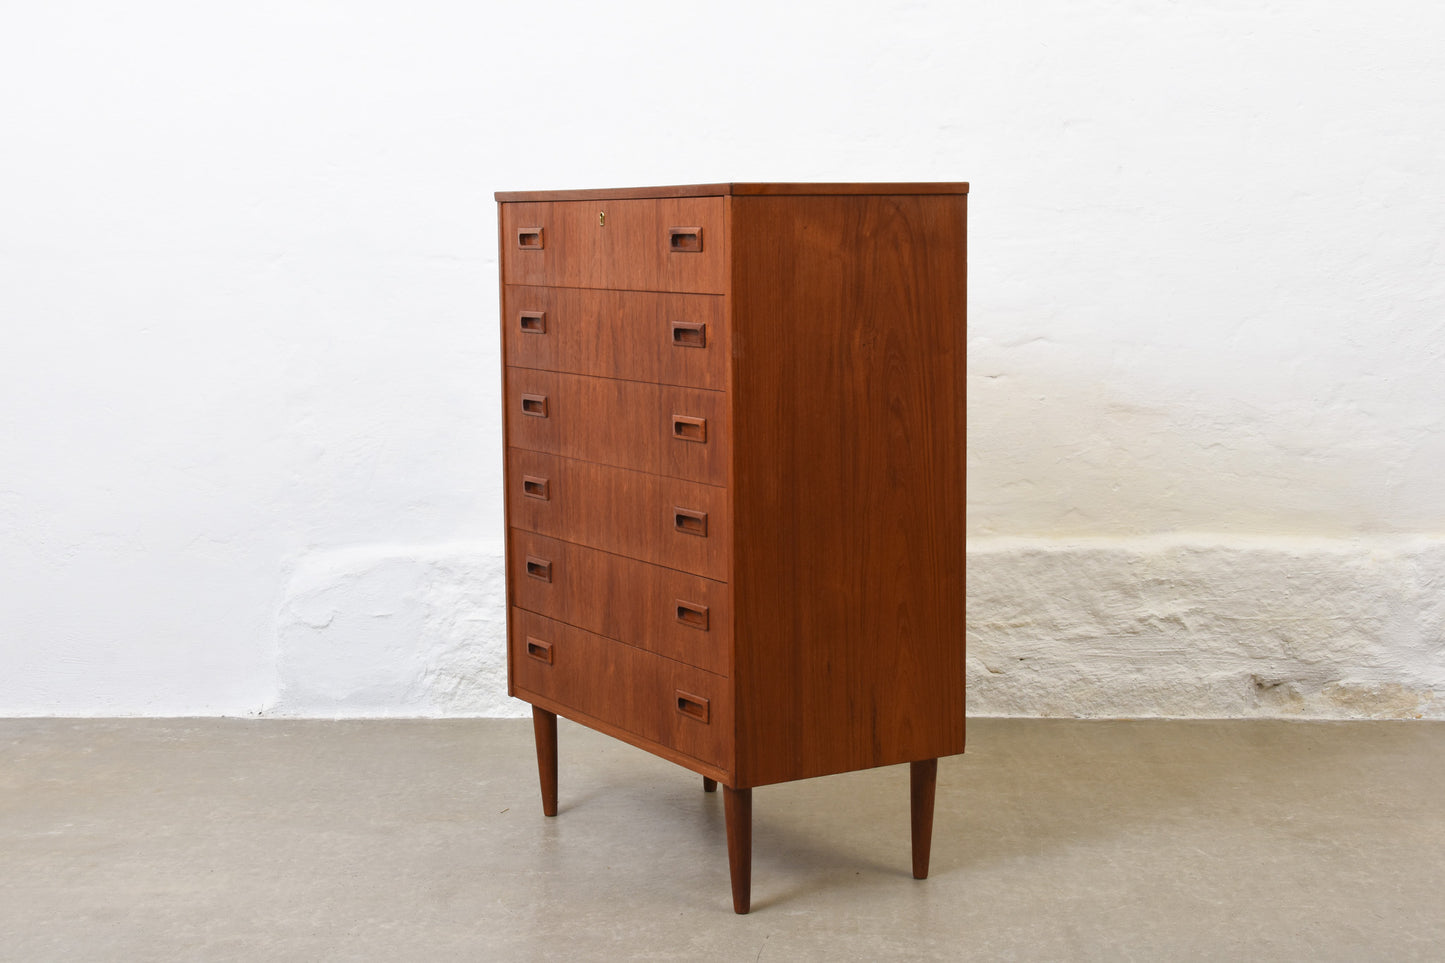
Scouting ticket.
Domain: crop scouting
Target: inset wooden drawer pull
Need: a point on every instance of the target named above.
(689, 334)
(539, 568)
(529, 238)
(534, 487)
(689, 429)
(533, 322)
(689, 522)
(539, 650)
(694, 707)
(691, 614)
(534, 405)
(684, 240)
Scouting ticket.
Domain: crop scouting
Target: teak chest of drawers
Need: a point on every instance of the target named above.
(735, 479)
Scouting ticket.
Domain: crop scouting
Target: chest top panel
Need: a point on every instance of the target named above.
(739, 189)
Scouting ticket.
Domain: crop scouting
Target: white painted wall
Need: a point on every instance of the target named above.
(249, 449)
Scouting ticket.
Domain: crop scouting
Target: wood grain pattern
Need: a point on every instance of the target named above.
(544, 734)
(615, 193)
(777, 591)
(848, 572)
(681, 432)
(738, 814)
(636, 690)
(895, 188)
(651, 607)
(501, 287)
(617, 334)
(608, 728)
(625, 512)
(630, 252)
(922, 782)
(702, 190)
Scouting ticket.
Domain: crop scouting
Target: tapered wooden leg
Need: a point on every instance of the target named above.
(709, 785)
(922, 780)
(544, 729)
(738, 808)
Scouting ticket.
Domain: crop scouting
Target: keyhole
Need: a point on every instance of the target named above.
(601, 218)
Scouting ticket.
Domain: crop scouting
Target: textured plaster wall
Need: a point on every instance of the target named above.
(1208, 626)
(249, 444)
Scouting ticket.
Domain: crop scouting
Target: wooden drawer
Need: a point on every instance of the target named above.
(666, 702)
(667, 521)
(673, 339)
(683, 617)
(680, 432)
(664, 244)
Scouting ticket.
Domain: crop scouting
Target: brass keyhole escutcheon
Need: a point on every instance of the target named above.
(601, 218)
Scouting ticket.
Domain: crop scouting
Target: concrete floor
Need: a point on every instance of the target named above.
(424, 840)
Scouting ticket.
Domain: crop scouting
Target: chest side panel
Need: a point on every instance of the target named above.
(848, 327)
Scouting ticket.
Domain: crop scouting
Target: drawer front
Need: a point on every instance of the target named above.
(662, 429)
(666, 521)
(674, 339)
(664, 244)
(683, 617)
(666, 702)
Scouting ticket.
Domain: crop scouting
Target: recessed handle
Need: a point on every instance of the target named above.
(689, 334)
(691, 614)
(539, 568)
(532, 322)
(534, 487)
(692, 706)
(539, 650)
(684, 240)
(685, 428)
(689, 522)
(529, 238)
(534, 405)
